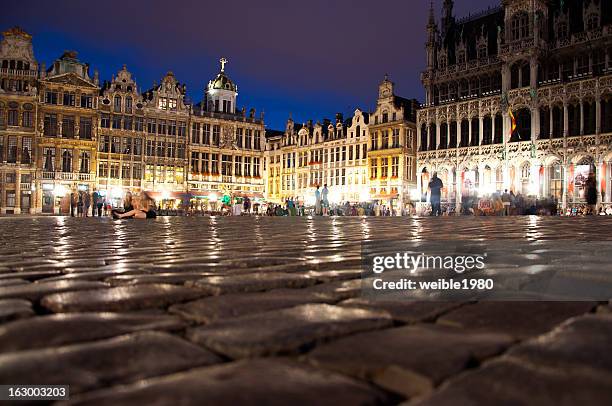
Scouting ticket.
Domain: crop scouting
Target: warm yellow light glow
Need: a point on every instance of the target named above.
(60, 190)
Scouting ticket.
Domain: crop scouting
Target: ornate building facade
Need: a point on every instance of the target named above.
(544, 65)
(227, 146)
(62, 132)
(370, 156)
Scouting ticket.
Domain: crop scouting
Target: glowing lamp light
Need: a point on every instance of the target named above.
(310, 199)
(213, 197)
(334, 196)
(165, 195)
(60, 191)
(364, 195)
(414, 194)
(116, 192)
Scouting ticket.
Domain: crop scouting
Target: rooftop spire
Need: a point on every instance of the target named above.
(223, 61)
(432, 20)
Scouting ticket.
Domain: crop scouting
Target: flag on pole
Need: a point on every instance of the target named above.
(513, 123)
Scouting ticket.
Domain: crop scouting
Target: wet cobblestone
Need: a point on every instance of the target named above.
(157, 311)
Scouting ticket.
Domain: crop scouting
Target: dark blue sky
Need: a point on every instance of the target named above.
(312, 58)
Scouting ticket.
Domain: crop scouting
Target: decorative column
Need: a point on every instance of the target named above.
(418, 137)
(458, 192)
(550, 128)
(470, 132)
(581, 117)
(427, 146)
(17, 192)
(458, 140)
(565, 187)
(437, 146)
(565, 120)
(598, 114)
(480, 129)
(493, 115)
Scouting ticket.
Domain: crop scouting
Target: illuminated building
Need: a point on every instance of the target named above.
(369, 157)
(546, 62)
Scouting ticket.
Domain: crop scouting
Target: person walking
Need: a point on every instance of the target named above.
(80, 204)
(73, 203)
(317, 202)
(435, 186)
(100, 204)
(591, 193)
(94, 202)
(87, 204)
(505, 198)
(324, 200)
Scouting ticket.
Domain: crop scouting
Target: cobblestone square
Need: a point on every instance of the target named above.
(253, 310)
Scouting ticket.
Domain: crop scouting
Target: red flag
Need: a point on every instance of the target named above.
(513, 123)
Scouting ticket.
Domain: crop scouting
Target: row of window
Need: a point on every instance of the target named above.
(12, 117)
(14, 153)
(11, 177)
(204, 162)
(69, 99)
(51, 127)
(68, 160)
(128, 170)
(384, 167)
(206, 134)
(153, 126)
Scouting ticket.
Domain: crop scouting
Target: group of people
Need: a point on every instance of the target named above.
(82, 201)
(508, 203)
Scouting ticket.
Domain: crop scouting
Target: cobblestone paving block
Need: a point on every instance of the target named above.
(12, 282)
(120, 298)
(508, 381)
(249, 382)
(34, 291)
(30, 275)
(210, 309)
(408, 360)
(13, 309)
(93, 274)
(103, 363)
(251, 282)
(253, 261)
(580, 342)
(60, 329)
(405, 311)
(285, 331)
(335, 275)
(519, 319)
(178, 278)
(336, 291)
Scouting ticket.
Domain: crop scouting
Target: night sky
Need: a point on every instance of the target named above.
(311, 58)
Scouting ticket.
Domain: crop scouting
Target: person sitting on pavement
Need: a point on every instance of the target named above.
(147, 211)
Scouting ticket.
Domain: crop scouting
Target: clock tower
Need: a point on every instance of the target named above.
(385, 89)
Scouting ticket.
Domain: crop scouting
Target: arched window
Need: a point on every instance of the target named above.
(592, 22)
(461, 57)
(442, 62)
(482, 51)
(523, 125)
(128, 104)
(562, 30)
(67, 161)
(555, 180)
(520, 26)
(117, 104)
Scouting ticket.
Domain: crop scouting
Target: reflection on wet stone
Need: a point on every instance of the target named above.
(121, 359)
(102, 304)
(285, 331)
(120, 298)
(61, 329)
(257, 382)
